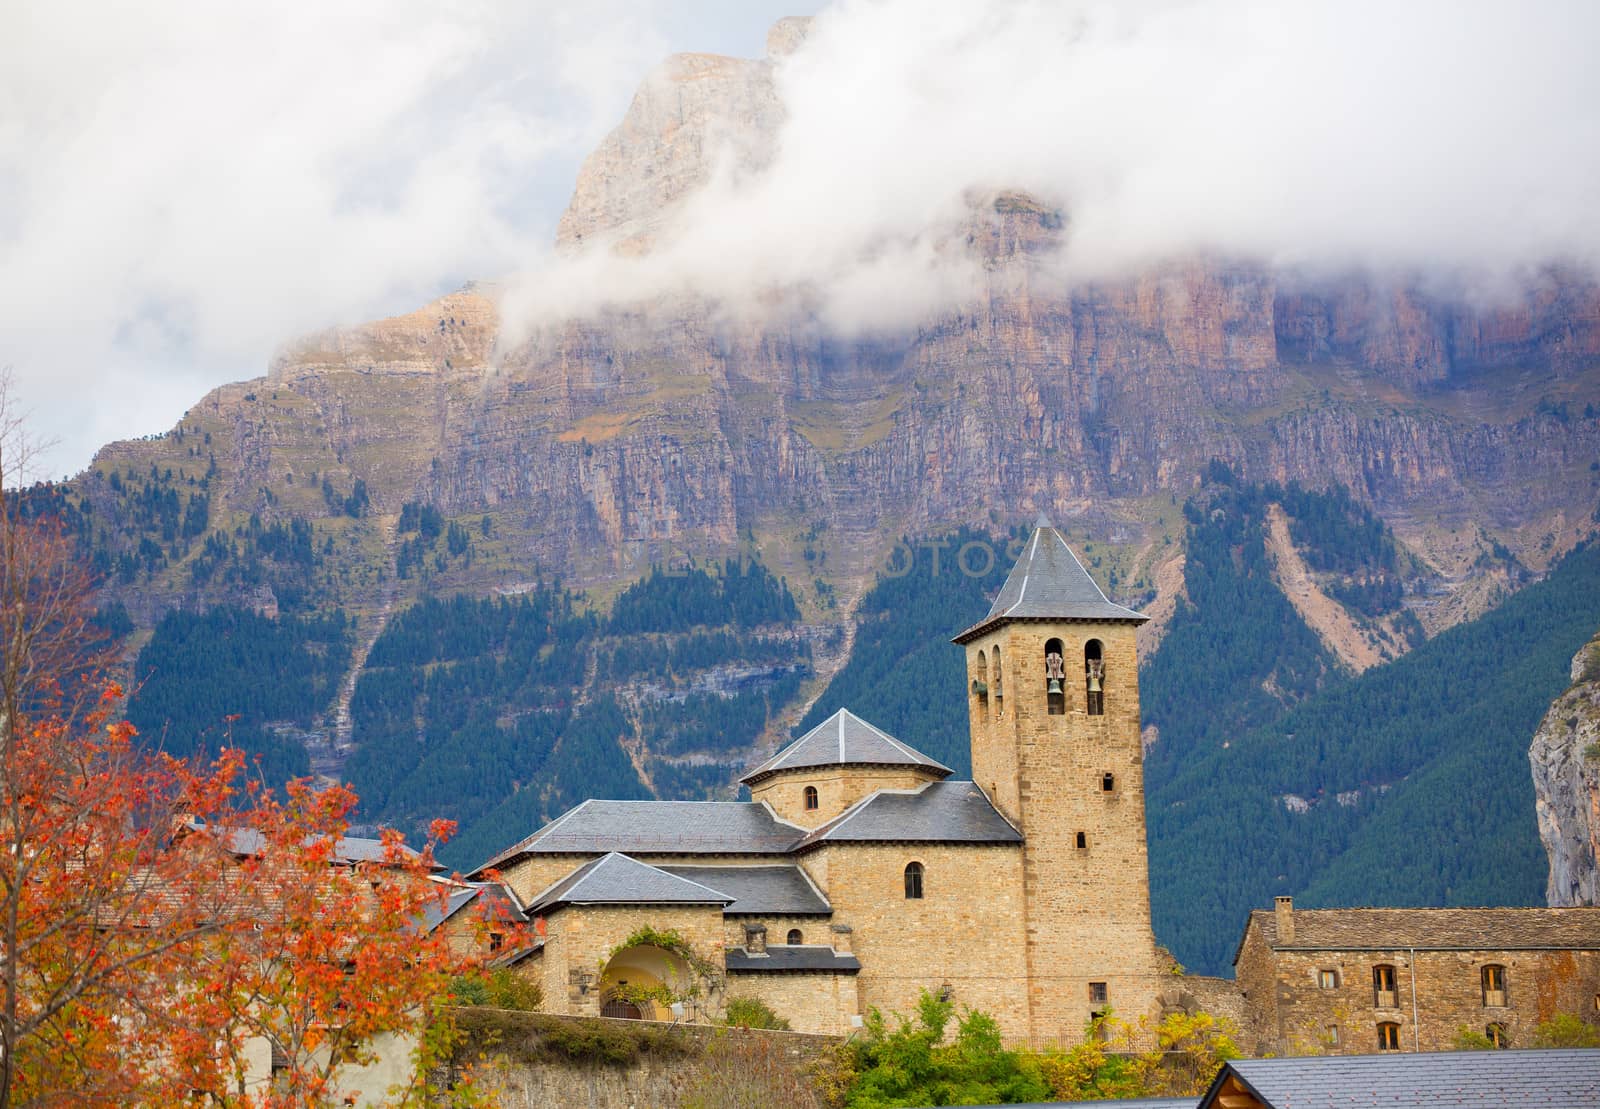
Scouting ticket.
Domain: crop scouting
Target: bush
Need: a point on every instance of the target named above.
(752, 1012)
(501, 988)
(1565, 1030)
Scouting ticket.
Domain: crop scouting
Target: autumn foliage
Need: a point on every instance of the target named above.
(172, 933)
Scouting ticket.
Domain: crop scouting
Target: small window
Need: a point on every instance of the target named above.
(914, 881)
(1108, 782)
(1497, 1035)
(1098, 994)
(1383, 986)
(795, 937)
(811, 798)
(1333, 1035)
(1083, 841)
(1328, 979)
(1494, 985)
(497, 940)
(1388, 1036)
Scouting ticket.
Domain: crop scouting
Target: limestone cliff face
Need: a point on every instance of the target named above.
(597, 444)
(1566, 782)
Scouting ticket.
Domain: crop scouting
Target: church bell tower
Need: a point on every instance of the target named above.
(1053, 703)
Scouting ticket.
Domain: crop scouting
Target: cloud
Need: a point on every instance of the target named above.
(1448, 136)
(186, 185)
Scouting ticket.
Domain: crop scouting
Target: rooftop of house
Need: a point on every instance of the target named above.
(1049, 583)
(615, 879)
(845, 739)
(1457, 929)
(1560, 1079)
(809, 957)
(770, 890)
(939, 812)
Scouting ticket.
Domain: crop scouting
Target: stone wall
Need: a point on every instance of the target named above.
(1449, 996)
(965, 932)
(838, 787)
(581, 940)
(820, 1002)
(536, 1060)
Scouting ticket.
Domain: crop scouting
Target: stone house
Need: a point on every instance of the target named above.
(860, 873)
(1357, 981)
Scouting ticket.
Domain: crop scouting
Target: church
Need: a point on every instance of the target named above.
(860, 874)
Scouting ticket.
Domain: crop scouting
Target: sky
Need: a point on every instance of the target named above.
(185, 186)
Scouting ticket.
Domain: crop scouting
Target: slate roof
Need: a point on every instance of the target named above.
(1465, 929)
(811, 957)
(500, 904)
(841, 740)
(1560, 1079)
(347, 849)
(615, 879)
(939, 812)
(783, 890)
(659, 827)
(1048, 582)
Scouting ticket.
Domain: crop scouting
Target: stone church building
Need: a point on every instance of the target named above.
(860, 874)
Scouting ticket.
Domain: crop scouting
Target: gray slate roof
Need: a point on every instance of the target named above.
(1463, 929)
(615, 879)
(940, 812)
(812, 957)
(782, 890)
(844, 739)
(659, 827)
(1048, 582)
(1563, 1079)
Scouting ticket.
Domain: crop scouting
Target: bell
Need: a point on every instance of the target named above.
(979, 688)
(1094, 683)
(1054, 686)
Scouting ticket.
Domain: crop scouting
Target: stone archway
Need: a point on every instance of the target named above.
(643, 978)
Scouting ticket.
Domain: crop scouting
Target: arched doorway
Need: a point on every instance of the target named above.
(639, 983)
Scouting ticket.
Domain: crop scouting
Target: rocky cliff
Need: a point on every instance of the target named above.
(1566, 781)
(590, 446)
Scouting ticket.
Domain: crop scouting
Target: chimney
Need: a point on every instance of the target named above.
(755, 939)
(841, 938)
(1283, 910)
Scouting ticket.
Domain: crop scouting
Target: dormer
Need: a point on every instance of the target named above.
(833, 766)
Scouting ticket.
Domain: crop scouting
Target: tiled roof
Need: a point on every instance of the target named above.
(842, 739)
(1476, 929)
(1563, 1079)
(940, 812)
(499, 904)
(347, 849)
(784, 890)
(798, 957)
(659, 827)
(1048, 582)
(615, 879)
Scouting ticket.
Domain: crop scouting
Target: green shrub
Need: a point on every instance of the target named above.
(752, 1012)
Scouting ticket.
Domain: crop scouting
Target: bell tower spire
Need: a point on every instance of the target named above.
(1053, 706)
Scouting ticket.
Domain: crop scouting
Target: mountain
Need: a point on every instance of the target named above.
(1392, 458)
(1565, 755)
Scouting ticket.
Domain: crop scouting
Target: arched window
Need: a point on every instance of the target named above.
(1383, 996)
(914, 881)
(811, 798)
(795, 938)
(1108, 782)
(1055, 677)
(1094, 678)
(1498, 1035)
(1494, 984)
(980, 686)
(999, 686)
(1388, 1036)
